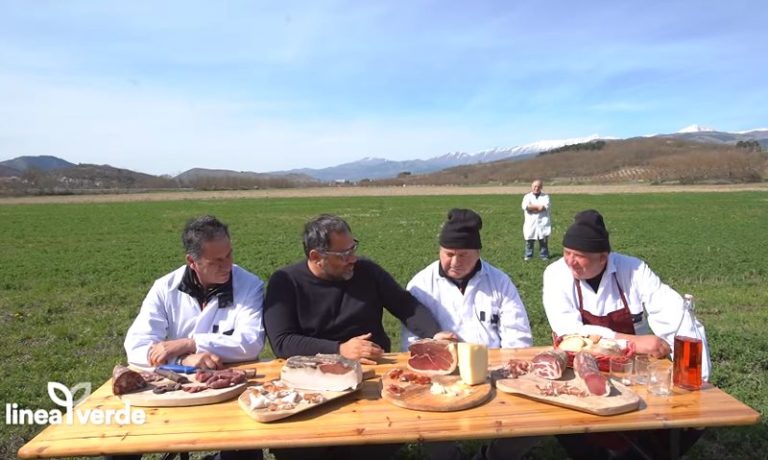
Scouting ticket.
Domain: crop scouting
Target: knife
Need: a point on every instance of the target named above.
(179, 368)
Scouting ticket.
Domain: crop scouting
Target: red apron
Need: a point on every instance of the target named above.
(617, 321)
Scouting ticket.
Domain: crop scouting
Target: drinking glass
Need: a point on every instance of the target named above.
(660, 378)
(640, 371)
(621, 370)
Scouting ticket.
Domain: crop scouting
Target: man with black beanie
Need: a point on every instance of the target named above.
(593, 291)
(478, 302)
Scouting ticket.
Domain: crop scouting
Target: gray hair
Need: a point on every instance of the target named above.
(317, 232)
(200, 230)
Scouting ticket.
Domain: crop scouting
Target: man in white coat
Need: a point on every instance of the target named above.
(478, 302)
(537, 225)
(593, 291)
(205, 313)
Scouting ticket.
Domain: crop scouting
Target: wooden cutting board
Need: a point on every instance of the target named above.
(620, 400)
(146, 398)
(420, 396)
(266, 415)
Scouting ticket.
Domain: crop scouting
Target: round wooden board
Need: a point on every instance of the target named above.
(146, 398)
(419, 397)
(620, 400)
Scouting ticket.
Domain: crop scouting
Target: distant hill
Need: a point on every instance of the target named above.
(202, 178)
(41, 163)
(653, 159)
(7, 171)
(379, 168)
(710, 136)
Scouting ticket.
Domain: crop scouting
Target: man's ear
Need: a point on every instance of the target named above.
(190, 260)
(315, 255)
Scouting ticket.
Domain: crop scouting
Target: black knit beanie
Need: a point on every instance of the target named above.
(461, 230)
(587, 233)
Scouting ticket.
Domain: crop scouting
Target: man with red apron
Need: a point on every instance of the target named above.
(593, 291)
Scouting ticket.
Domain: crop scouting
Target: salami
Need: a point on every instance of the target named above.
(125, 380)
(585, 367)
(549, 364)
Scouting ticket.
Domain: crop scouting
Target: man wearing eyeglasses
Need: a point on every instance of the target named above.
(333, 301)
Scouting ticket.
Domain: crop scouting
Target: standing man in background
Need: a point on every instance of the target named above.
(537, 224)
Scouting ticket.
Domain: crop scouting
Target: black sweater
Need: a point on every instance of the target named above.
(305, 315)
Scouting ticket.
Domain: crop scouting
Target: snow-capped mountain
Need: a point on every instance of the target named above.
(695, 129)
(380, 168)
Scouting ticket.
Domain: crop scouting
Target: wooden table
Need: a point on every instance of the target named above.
(364, 418)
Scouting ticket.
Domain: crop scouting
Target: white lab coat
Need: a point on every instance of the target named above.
(537, 225)
(168, 313)
(657, 306)
(489, 312)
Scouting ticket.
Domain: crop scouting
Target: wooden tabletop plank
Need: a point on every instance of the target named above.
(364, 417)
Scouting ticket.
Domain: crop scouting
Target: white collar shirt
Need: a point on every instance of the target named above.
(489, 311)
(235, 332)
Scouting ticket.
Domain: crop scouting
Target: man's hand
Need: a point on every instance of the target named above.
(361, 349)
(446, 335)
(203, 360)
(161, 352)
(648, 344)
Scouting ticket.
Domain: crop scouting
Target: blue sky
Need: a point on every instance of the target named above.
(161, 87)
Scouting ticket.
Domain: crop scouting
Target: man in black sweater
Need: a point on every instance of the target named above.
(333, 302)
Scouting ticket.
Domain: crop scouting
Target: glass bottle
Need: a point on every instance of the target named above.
(688, 349)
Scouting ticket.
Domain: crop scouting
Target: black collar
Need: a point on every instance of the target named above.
(462, 283)
(191, 285)
(594, 283)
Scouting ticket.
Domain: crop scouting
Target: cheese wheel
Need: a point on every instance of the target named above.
(473, 363)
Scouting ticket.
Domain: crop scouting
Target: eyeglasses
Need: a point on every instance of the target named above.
(344, 255)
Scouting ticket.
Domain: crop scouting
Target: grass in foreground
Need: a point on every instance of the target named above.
(73, 277)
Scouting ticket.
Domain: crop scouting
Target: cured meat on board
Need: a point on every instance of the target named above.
(433, 357)
(125, 380)
(549, 364)
(322, 372)
(585, 367)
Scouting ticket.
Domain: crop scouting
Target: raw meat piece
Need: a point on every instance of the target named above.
(586, 369)
(322, 373)
(125, 380)
(433, 357)
(549, 364)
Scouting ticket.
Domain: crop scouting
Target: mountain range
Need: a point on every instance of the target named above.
(380, 168)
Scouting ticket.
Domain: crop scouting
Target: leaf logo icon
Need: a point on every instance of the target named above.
(85, 386)
(53, 388)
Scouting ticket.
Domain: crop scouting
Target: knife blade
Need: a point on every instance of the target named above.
(179, 368)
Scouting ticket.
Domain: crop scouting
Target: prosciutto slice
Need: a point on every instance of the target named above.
(433, 357)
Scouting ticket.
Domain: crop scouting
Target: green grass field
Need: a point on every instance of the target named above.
(73, 276)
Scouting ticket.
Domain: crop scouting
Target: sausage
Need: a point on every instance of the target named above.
(586, 369)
